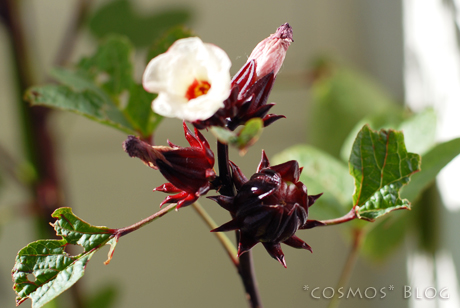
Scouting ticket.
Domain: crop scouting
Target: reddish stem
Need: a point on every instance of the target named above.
(123, 231)
(347, 217)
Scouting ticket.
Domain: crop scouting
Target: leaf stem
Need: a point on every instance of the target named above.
(224, 240)
(246, 267)
(347, 217)
(358, 235)
(124, 231)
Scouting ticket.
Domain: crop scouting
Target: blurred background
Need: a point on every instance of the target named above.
(400, 52)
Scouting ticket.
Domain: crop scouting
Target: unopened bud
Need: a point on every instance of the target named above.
(269, 54)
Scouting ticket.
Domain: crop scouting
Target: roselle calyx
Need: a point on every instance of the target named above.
(252, 85)
(268, 208)
(189, 170)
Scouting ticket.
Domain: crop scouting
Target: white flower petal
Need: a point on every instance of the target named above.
(172, 73)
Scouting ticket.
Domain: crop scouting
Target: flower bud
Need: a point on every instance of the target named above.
(189, 170)
(252, 85)
(269, 54)
(268, 208)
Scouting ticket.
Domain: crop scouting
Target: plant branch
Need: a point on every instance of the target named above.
(347, 217)
(223, 239)
(349, 265)
(124, 231)
(246, 268)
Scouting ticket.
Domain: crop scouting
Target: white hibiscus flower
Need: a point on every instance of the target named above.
(192, 80)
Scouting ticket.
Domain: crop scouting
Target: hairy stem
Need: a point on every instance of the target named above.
(246, 267)
(349, 265)
(224, 240)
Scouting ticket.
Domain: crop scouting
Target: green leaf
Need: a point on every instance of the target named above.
(432, 162)
(380, 166)
(102, 89)
(111, 65)
(249, 134)
(223, 135)
(120, 17)
(322, 173)
(53, 268)
(162, 44)
(86, 102)
(246, 137)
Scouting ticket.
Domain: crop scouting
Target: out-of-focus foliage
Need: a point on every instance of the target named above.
(120, 17)
(340, 97)
(344, 100)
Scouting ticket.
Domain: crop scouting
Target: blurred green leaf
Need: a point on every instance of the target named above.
(102, 89)
(340, 98)
(380, 166)
(139, 110)
(385, 235)
(104, 297)
(432, 162)
(420, 131)
(111, 66)
(162, 44)
(243, 139)
(223, 135)
(249, 134)
(86, 102)
(322, 173)
(120, 17)
(54, 269)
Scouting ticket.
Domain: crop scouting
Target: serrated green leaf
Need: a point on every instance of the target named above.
(432, 163)
(54, 269)
(385, 200)
(162, 44)
(322, 173)
(111, 65)
(86, 102)
(380, 166)
(120, 17)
